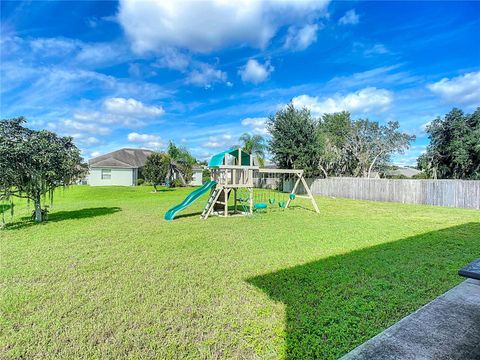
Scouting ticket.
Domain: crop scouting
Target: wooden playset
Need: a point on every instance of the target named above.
(234, 172)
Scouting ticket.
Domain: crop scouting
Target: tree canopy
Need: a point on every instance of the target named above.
(34, 163)
(174, 166)
(454, 149)
(334, 144)
(293, 142)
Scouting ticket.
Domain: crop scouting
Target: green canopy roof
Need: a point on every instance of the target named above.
(217, 159)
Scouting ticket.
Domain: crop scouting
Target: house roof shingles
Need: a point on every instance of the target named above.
(123, 158)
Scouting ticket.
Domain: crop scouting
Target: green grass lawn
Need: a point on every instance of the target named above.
(107, 277)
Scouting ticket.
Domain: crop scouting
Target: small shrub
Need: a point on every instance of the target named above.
(206, 175)
(140, 182)
(175, 183)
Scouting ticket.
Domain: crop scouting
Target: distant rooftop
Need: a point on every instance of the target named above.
(123, 158)
(404, 170)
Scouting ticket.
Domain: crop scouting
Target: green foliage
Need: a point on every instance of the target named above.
(34, 163)
(140, 182)
(156, 168)
(176, 163)
(254, 144)
(287, 284)
(206, 175)
(371, 145)
(176, 183)
(181, 164)
(454, 149)
(421, 175)
(294, 139)
(358, 147)
(333, 131)
(180, 154)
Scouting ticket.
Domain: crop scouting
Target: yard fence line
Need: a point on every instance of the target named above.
(451, 193)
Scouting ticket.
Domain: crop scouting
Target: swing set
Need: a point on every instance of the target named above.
(233, 173)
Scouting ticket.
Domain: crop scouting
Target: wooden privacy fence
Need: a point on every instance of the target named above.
(452, 193)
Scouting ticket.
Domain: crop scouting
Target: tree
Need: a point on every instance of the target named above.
(454, 149)
(173, 166)
(294, 139)
(372, 144)
(156, 168)
(333, 131)
(34, 163)
(180, 154)
(254, 144)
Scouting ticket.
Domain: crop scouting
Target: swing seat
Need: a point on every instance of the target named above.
(292, 196)
(271, 201)
(260, 206)
(281, 204)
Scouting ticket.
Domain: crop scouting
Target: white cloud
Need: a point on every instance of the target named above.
(260, 121)
(364, 100)
(206, 75)
(255, 72)
(377, 49)
(54, 46)
(214, 144)
(350, 18)
(173, 59)
(82, 139)
(463, 89)
(301, 38)
(147, 140)
(131, 107)
(257, 125)
(86, 127)
(203, 26)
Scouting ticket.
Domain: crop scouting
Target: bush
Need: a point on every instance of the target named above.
(140, 182)
(422, 175)
(206, 174)
(175, 183)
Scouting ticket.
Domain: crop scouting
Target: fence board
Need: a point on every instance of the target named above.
(450, 193)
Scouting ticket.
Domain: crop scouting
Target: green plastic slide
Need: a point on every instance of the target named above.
(190, 199)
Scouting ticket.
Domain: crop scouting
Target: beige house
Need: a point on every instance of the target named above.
(124, 167)
(121, 167)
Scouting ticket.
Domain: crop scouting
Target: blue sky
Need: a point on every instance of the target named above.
(141, 73)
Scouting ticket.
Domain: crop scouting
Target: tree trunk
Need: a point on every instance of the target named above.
(38, 210)
(323, 171)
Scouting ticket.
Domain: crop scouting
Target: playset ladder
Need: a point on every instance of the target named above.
(211, 202)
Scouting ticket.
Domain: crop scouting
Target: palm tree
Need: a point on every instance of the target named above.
(254, 144)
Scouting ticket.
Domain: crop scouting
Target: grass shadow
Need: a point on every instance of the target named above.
(335, 304)
(65, 215)
(4, 208)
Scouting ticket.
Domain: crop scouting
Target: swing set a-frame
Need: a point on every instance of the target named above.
(233, 171)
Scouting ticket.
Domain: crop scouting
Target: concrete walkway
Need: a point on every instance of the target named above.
(446, 328)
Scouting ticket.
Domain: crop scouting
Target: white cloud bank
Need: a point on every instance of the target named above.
(147, 140)
(301, 38)
(257, 125)
(254, 72)
(206, 75)
(131, 107)
(464, 89)
(364, 100)
(204, 26)
(350, 18)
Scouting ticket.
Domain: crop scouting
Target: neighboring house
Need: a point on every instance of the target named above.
(124, 167)
(121, 167)
(197, 176)
(403, 170)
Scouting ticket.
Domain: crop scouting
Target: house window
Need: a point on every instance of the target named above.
(106, 174)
